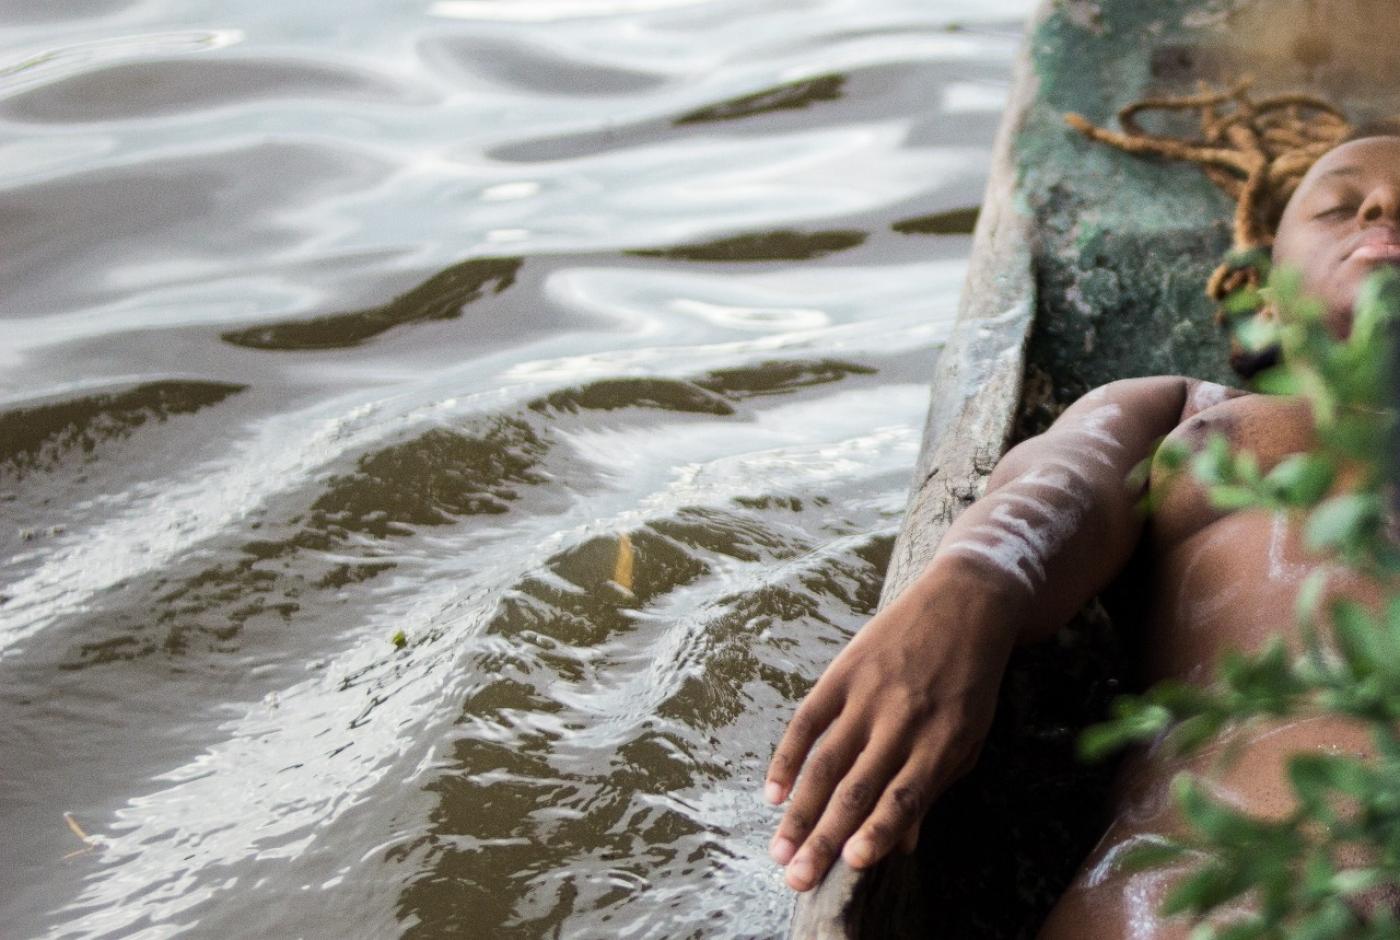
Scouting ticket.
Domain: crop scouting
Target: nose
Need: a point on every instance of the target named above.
(1381, 204)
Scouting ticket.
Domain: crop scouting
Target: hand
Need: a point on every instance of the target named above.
(901, 712)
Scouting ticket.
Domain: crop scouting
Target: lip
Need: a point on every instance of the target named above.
(1378, 244)
(1378, 251)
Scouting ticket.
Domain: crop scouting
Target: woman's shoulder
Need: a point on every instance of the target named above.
(1272, 427)
(1269, 426)
(1193, 410)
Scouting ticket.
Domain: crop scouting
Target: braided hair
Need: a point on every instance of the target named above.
(1257, 151)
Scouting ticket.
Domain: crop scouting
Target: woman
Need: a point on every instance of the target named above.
(903, 709)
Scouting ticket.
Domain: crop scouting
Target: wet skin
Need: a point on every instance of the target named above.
(903, 709)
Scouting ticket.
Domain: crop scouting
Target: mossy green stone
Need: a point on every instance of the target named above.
(1124, 244)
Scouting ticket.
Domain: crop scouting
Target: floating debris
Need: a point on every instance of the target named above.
(90, 843)
(622, 568)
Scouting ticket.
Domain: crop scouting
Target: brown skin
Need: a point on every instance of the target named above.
(1342, 222)
(902, 711)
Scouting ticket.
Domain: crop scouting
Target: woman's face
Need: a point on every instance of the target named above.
(1343, 223)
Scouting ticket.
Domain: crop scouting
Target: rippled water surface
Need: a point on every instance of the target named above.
(440, 441)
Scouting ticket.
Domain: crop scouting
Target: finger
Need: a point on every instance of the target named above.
(899, 813)
(910, 840)
(848, 807)
(942, 780)
(812, 718)
(824, 770)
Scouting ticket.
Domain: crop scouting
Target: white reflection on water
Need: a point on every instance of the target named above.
(288, 768)
(756, 319)
(962, 97)
(184, 665)
(543, 11)
(17, 73)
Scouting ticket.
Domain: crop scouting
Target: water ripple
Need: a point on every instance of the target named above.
(440, 447)
(151, 88)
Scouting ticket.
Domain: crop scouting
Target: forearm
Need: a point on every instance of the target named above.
(903, 709)
(1061, 516)
(1039, 546)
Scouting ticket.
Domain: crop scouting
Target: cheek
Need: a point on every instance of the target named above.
(1323, 279)
(1286, 255)
(1315, 259)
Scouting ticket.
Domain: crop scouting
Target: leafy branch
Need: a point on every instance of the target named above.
(1299, 875)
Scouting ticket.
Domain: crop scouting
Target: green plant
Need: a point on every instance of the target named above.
(1345, 663)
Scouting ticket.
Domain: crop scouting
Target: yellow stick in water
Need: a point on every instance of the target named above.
(622, 568)
(73, 824)
(89, 844)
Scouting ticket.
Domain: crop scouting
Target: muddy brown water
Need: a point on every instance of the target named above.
(440, 442)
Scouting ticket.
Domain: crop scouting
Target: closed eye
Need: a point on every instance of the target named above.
(1339, 211)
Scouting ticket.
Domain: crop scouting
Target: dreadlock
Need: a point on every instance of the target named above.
(1257, 152)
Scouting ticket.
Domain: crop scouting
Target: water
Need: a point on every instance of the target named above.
(440, 442)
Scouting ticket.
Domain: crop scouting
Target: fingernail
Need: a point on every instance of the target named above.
(859, 852)
(782, 850)
(799, 874)
(773, 792)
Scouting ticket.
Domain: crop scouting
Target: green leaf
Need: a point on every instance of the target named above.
(1151, 852)
(1250, 929)
(1358, 434)
(1246, 468)
(1388, 646)
(1319, 772)
(1205, 889)
(1285, 285)
(1339, 521)
(1136, 721)
(1258, 259)
(1356, 880)
(1358, 637)
(1183, 699)
(1232, 498)
(1278, 380)
(1256, 335)
(1332, 921)
(1389, 639)
(1212, 463)
(1141, 473)
(1319, 875)
(1375, 305)
(1384, 924)
(1301, 480)
(1310, 596)
(1265, 681)
(1172, 455)
(1317, 778)
(1311, 312)
(1194, 733)
(1217, 822)
(1239, 308)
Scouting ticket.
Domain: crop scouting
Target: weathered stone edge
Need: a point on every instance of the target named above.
(976, 389)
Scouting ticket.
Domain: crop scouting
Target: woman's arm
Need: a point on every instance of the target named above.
(903, 709)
